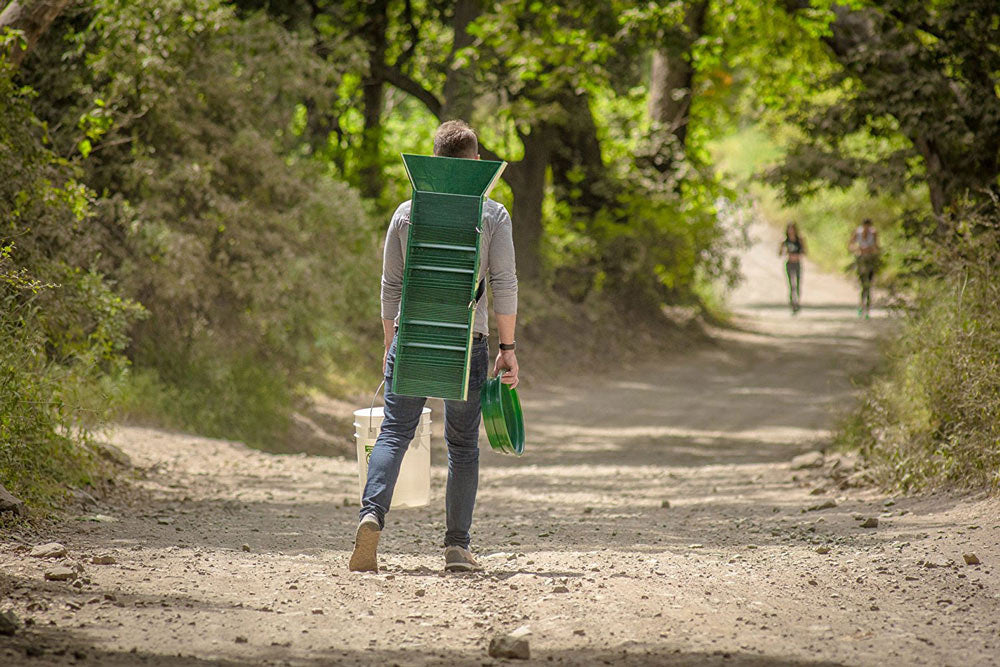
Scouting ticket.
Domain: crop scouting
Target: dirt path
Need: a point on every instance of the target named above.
(655, 520)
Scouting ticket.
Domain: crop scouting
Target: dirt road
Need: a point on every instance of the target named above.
(654, 520)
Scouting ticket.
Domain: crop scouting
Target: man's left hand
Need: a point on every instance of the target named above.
(507, 361)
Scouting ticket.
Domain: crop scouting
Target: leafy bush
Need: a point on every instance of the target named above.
(932, 415)
(62, 328)
(256, 268)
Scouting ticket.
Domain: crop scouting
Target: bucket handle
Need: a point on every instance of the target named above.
(372, 406)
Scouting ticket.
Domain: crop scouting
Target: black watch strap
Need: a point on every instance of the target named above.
(506, 348)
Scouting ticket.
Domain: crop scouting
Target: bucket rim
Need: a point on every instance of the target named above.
(379, 411)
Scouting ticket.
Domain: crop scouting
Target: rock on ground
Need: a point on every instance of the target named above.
(9, 623)
(508, 646)
(60, 573)
(808, 460)
(50, 550)
(10, 503)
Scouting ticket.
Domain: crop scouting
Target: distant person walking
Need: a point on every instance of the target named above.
(461, 418)
(793, 248)
(864, 245)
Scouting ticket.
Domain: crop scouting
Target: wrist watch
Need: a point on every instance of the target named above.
(506, 347)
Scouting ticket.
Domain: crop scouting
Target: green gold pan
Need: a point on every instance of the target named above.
(502, 417)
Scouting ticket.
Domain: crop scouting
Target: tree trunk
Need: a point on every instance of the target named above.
(33, 19)
(579, 175)
(373, 99)
(459, 95)
(526, 178)
(671, 81)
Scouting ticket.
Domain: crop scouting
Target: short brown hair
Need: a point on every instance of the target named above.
(456, 139)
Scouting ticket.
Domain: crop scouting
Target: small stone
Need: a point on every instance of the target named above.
(696, 546)
(579, 632)
(245, 547)
(9, 623)
(113, 454)
(164, 521)
(588, 510)
(317, 612)
(420, 592)
(560, 589)
(870, 522)
(874, 607)
(111, 597)
(889, 503)
(505, 646)
(83, 497)
(970, 559)
(825, 505)
(809, 460)
(823, 550)
(10, 503)
(103, 559)
(60, 573)
(50, 550)
(665, 504)
(522, 631)
(240, 639)
(936, 561)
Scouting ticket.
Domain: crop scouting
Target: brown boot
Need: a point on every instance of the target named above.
(365, 556)
(457, 559)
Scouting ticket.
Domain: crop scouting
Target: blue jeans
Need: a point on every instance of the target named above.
(461, 433)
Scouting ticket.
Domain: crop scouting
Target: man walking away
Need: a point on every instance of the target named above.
(461, 418)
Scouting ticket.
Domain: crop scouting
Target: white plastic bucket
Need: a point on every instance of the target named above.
(413, 487)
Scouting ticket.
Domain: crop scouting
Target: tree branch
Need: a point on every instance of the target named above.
(410, 86)
(394, 76)
(33, 19)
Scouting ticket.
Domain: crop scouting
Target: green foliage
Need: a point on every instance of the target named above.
(62, 328)
(932, 416)
(914, 100)
(258, 271)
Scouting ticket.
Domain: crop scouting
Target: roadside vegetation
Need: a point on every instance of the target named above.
(911, 114)
(931, 416)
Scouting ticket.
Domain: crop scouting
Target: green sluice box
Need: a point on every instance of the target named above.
(441, 274)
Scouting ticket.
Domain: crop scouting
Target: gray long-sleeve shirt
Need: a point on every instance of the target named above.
(496, 261)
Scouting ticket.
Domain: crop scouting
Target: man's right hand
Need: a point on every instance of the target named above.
(507, 361)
